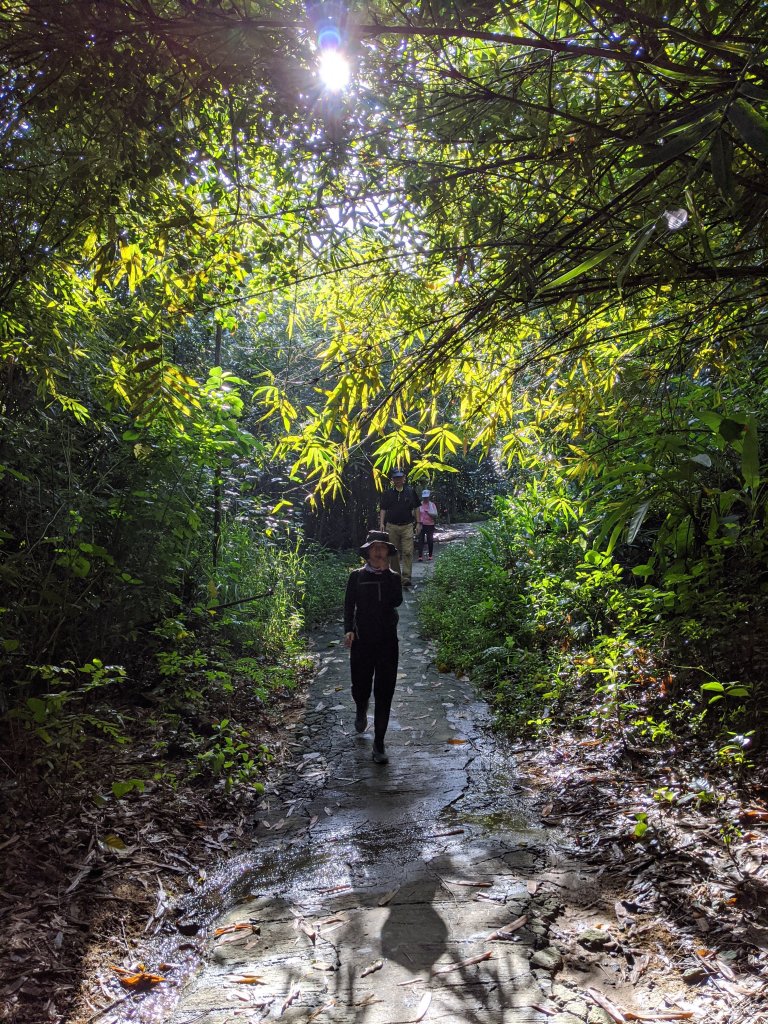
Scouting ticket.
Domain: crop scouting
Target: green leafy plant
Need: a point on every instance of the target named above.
(232, 757)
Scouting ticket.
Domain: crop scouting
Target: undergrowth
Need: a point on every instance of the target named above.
(559, 634)
(195, 704)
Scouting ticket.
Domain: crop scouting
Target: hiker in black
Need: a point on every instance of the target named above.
(370, 632)
(397, 505)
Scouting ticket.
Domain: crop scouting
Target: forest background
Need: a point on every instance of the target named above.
(522, 254)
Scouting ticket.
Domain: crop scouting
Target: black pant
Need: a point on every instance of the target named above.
(374, 668)
(429, 533)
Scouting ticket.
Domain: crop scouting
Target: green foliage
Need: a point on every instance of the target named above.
(126, 786)
(55, 713)
(324, 581)
(558, 631)
(232, 756)
(542, 242)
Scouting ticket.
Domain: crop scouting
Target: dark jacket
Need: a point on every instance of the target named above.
(398, 506)
(370, 602)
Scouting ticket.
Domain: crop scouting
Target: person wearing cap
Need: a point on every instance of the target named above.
(426, 517)
(370, 632)
(396, 516)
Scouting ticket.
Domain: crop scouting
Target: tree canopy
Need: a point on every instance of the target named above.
(505, 193)
(535, 230)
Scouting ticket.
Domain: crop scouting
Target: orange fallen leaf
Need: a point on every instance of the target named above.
(661, 1015)
(248, 979)
(241, 927)
(457, 742)
(136, 979)
(754, 814)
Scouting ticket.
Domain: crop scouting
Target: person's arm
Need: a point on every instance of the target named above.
(396, 586)
(383, 505)
(350, 599)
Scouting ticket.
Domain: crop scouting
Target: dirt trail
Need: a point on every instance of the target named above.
(427, 889)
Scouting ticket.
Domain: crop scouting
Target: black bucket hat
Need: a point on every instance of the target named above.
(377, 537)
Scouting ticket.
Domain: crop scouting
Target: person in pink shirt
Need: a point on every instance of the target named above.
(426, 516)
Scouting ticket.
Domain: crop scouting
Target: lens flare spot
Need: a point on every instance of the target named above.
(334, 70)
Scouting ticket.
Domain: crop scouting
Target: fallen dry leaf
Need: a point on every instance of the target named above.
(507, 930)
(321, 1009)
(421, 1009)
(388, 896)
(753, 814)
(661, 1015)
(308, 930)
(604, 1003)
(324, 965)
(140, 978)
(242, 926)
(248, 979)
(292, 997)
(488, 955)
(371, 968)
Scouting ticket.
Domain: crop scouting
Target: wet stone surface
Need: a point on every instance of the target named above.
(413, 891)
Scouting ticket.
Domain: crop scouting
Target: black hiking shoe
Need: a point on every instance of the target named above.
(361, 718)
(379, 756)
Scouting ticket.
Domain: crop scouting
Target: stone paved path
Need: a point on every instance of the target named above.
(374, 892)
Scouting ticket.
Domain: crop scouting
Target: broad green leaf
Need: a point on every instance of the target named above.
(730, 430)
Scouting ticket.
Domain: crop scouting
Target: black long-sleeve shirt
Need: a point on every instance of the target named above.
(370, 603)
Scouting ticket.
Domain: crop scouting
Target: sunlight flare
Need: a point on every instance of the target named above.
(334, 70)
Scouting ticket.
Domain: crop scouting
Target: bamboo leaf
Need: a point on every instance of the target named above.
(677, 146)
(721, 161)
(750, 455)
(637, 521)
(645, 236)
(751, 126)
(582, 268)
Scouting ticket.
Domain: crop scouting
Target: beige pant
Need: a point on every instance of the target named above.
(401, 535)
